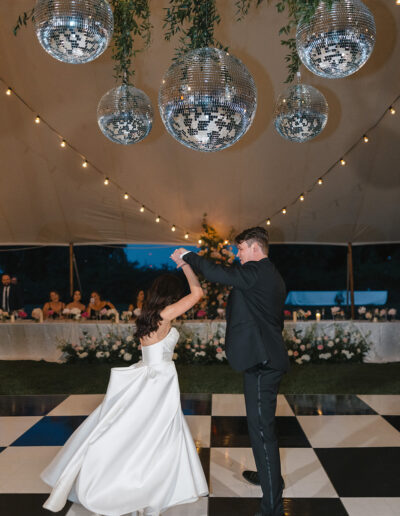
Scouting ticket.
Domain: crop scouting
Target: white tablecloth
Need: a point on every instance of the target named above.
(39, 341)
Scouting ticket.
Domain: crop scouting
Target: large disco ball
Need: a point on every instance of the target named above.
(207, 99)
(301, 113)
(74, 31)
(125, 115)
(337, 42)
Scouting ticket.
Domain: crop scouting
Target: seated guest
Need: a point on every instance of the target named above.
(96, 305)
(53, 308)
(76, 301)
(10, 295)
(136, 308)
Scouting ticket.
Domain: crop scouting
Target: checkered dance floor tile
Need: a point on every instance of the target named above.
(340, 454)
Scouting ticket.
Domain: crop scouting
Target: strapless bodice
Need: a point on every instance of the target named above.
(161, 351)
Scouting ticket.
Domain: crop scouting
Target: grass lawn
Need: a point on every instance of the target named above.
(30, 377)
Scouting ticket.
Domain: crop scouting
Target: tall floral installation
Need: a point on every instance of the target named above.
(215, 248)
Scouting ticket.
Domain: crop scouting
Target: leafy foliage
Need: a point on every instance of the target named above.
(131, 19)
(298, 10)
(200, 18)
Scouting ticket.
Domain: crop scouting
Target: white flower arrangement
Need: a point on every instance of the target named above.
(345, 345)
(126, 316)
(37, 314)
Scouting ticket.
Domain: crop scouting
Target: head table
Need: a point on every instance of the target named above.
(27, 340)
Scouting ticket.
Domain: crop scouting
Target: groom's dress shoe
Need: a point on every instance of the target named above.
(251, 477)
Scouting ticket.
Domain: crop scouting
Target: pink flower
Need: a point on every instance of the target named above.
(187, 346)
(202, 346)
(302, 347)
(201, 313)
(84, 314)
(295, 353)
(219, 349)
(50, 312)
(22, 314)
(320, 346)
(103, 311)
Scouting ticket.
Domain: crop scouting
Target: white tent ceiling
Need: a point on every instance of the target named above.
(46, 197)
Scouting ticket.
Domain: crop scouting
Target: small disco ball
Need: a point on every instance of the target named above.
(207, 99)
(301, 113)
(74, 31)
(337, 42)
(125, 115)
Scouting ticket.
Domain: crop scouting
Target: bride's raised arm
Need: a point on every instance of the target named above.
(183, 305)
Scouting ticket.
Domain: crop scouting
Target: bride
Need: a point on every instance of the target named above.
(134, 454)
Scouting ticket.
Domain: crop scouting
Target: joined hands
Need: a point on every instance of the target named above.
(176, 256)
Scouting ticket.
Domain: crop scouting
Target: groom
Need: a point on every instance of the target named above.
(254, 345)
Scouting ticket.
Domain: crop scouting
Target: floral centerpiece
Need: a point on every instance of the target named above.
(303, 315)
(21, 314)
(37, 315)
(192, 349)
(126, 316)
(344, 346)
(72, 313)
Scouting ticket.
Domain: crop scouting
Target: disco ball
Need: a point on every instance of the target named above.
(125, 115)
(337, 42)
(74, 31)
(301, 113)
(207, 99)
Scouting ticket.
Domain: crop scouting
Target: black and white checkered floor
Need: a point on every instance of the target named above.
(340, 454)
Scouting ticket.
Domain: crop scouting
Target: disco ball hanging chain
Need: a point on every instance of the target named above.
(208, 98)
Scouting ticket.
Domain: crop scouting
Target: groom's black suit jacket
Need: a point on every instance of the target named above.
(254, 313)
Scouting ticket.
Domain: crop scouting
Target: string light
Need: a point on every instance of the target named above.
(301, 198)
(85, 164)
(268, 222)
(226, 242)
(320, 181)
(186, 235)
(200, 241)
(392, 110)
(284, 211)
(365, 138)
(343, 162)
(397, 2)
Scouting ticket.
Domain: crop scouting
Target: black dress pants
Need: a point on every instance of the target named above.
(261, 384)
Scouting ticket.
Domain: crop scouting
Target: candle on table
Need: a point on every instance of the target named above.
(318, 316)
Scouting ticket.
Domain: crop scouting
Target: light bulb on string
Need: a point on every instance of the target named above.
(84, 163)
(8, 91)
(392, 110)
(173, 228)
(37, 119)
(284, 211)
(186, 235)
(158, 218)
(200, 241)
(365, 138)
(343, 162)
(106, 181)
(226, 242)
(301, 198)
(63, 144)
(126, 196)
(320, 181)
(268, 222)
(142, 209)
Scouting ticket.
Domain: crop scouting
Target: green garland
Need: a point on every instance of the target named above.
(200, 16)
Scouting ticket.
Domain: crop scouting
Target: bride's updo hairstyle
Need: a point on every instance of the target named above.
(165, 290)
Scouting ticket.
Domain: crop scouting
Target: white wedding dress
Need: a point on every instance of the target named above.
(135, 451)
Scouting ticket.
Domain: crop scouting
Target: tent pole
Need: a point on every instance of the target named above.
(351, 277)
(71, 269)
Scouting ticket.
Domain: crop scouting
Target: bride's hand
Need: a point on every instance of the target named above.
(176, 257)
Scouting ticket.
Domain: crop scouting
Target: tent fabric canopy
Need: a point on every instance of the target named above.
(46, 197)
